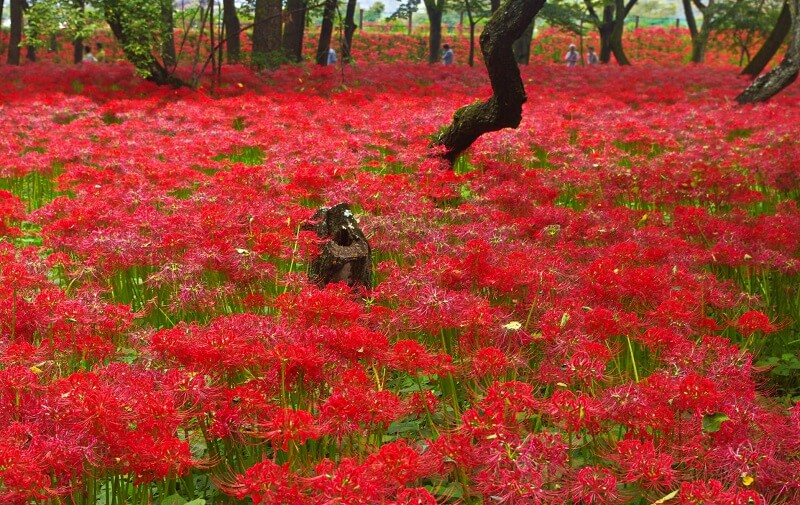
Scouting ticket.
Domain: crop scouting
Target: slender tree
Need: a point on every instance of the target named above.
(326, 31)
(15, 35)
(772, 44)
(504, 108)
(233, 27)
(777, 79)
(294, 29)
(349, 30)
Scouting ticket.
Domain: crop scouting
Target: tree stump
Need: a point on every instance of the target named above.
(345, 255)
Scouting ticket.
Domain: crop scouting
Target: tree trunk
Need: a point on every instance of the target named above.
(522, 46)
(700, 42)
(326, 31)
(294, 29)
(504, 108)
(14, 51)
(435, 35)
(232, 28)
(774, 81)
(267, 33)
(345, 255)
(690, 21)
(77, 50)
(495, 4)
(616, 34)
(349, 30)
(77, 43)
(772, 44)
(605, 29)
(471, 59)
(30, 53)
(168, 55)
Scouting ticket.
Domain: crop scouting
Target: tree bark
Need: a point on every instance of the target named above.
(168, 55)
(326, 31)
(434, 11)
(232, 28)
(690, 21)
(267, 33)
(777, 79)
(616, 33)
(345, 255)
(504, 108)
(349, 30)
(294, 29)
(14, 51)
(30, 53)
(772, 44)
(522, 46)
(495, 4)
(605, 29)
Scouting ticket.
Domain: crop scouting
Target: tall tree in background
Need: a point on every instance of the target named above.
(777, 79)
(435, 10)
(611, 26)
(326, 31)
(15, 35)
(476, 11)
(349, 30)
(504, 108)
(267, 27)
(294, 29)
(772, 44)
(230, 21)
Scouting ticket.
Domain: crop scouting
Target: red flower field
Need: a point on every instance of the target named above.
(600, 307)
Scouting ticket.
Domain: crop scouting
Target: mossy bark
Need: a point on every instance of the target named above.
(777, 79)
(504, 108)
(772, 44)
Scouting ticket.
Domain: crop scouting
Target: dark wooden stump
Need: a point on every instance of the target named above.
(345, 255)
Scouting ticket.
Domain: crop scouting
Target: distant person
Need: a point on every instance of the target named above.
(592, 58)
(87, 54)
(99, 53)
(448, 57)
(331, 56)
(572, 57)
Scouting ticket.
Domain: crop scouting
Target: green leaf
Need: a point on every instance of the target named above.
(713, 422)
(174, 499)
(197, 501)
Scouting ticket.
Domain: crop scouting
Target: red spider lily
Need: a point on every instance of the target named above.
(754, 322)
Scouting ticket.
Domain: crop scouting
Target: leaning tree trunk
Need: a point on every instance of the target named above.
(326, 32)
(14, 51)
(232, 28)
(293, 30)
(774, 81)
(772, 44)
(349, 30)
(504, 108)
(435, 36)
